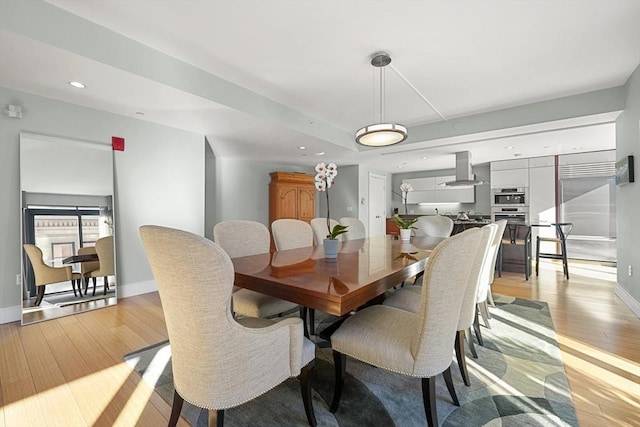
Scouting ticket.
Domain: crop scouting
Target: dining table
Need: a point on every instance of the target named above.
(363, 271)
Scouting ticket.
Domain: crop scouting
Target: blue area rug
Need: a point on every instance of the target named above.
(518, 380)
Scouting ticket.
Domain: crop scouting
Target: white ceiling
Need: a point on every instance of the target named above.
(260, 78)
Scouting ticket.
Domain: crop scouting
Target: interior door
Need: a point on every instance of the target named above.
(377, 205)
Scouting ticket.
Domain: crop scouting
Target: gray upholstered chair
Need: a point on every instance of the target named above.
(409, 299)
(241, 238)
(45, 274)
(435, 226)
(291, 234)
(106, 259)
(320, 231)
(356, 228)
(218, 362)
(414, 344)
(295, 234)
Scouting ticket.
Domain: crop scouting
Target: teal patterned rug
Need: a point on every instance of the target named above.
(518, 380)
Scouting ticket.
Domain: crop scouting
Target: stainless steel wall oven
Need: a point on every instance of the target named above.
(509, 196)
(514, 214)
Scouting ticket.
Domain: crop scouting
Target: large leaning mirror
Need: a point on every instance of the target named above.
(68, 235)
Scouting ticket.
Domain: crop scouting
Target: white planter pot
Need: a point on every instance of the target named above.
(405, 234)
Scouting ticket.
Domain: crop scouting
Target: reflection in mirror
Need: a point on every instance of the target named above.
(68, 258)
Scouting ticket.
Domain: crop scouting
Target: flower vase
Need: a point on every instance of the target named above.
(330, 248)
(405, 234)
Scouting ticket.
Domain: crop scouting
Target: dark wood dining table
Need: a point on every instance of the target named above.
(363, 270)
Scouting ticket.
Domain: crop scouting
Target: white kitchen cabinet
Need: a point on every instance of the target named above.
(510, 178)
(456, 195)
(537, 162)
(429, 190)
(542, 204)
(422, 184)
(510, 164)
(426, 196)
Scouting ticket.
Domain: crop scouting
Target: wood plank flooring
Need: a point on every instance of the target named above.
(69, 371)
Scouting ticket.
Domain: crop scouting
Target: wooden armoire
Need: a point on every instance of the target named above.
(292, 195)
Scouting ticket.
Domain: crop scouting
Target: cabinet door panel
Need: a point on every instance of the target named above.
(288, 202)
(510, 178)
(421, 196)
(307, 204)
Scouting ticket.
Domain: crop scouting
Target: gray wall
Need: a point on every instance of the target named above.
(483, 193)
(158, 179)
(242, 188)
(343, 194)
(628, 196)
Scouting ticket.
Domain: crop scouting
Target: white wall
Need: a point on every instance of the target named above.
(628, 197)
(158, 180)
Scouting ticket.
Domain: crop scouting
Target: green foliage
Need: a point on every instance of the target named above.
(338, 229)
(404, 224)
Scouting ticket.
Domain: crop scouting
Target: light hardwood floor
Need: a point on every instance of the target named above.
(69, 371)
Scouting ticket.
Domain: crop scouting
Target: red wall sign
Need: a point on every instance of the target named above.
(117, 143)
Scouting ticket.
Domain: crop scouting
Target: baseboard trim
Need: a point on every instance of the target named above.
(10, 314)
(138, 288)
(629, 301)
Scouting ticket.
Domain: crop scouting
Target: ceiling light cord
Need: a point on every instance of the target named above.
(415, 89)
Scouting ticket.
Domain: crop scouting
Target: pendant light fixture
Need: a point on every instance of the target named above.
(381, 134)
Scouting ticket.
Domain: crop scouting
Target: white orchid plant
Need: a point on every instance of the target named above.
(405, 187)
(324, 179)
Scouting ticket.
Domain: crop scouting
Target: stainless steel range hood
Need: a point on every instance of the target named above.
(464, 176)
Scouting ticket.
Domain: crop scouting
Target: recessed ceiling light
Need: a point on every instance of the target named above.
(78, 85)
(547, 146)
(140, 113)
(424, 157)
(321, 153)
(302, 147)
(509, 147)
(517, 155)
(577, 148)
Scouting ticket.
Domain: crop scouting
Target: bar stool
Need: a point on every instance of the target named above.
(562, 231)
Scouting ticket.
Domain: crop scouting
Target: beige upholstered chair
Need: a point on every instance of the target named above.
(44, 274)
(320, 231)
(218, 362)
(414, 344)
(295, 234)
(86, 268)
(409, 299)
(106, 260)
(291, 234)
(243, 238)
(356, 228)
(488, 274)
(435, 226)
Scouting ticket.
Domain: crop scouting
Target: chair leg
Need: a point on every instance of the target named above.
(306, 378)
(175, 409)
(490, 300)
(303, 316)
(565, 265)
(312, 321)
(449, 382)
(106, 284)
(73, 285)
(476, 327)
(460, 356)
(472, 348)
(500, 260)
(484, 312)
(537, 254)
(216, 418)
(40, 294)
(429, 400)
(340, 362)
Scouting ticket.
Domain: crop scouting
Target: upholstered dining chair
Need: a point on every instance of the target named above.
(409, 299)
(414, 344)
(356, 228)
(295, 234)
(106, 260)
(320, 231)
(241, 238)
(434, 226)
(86, 267)
(291, 234)
(219, 362)
(488, 274)
(44, 274)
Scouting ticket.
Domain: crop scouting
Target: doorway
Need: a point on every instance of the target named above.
(377, 205)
